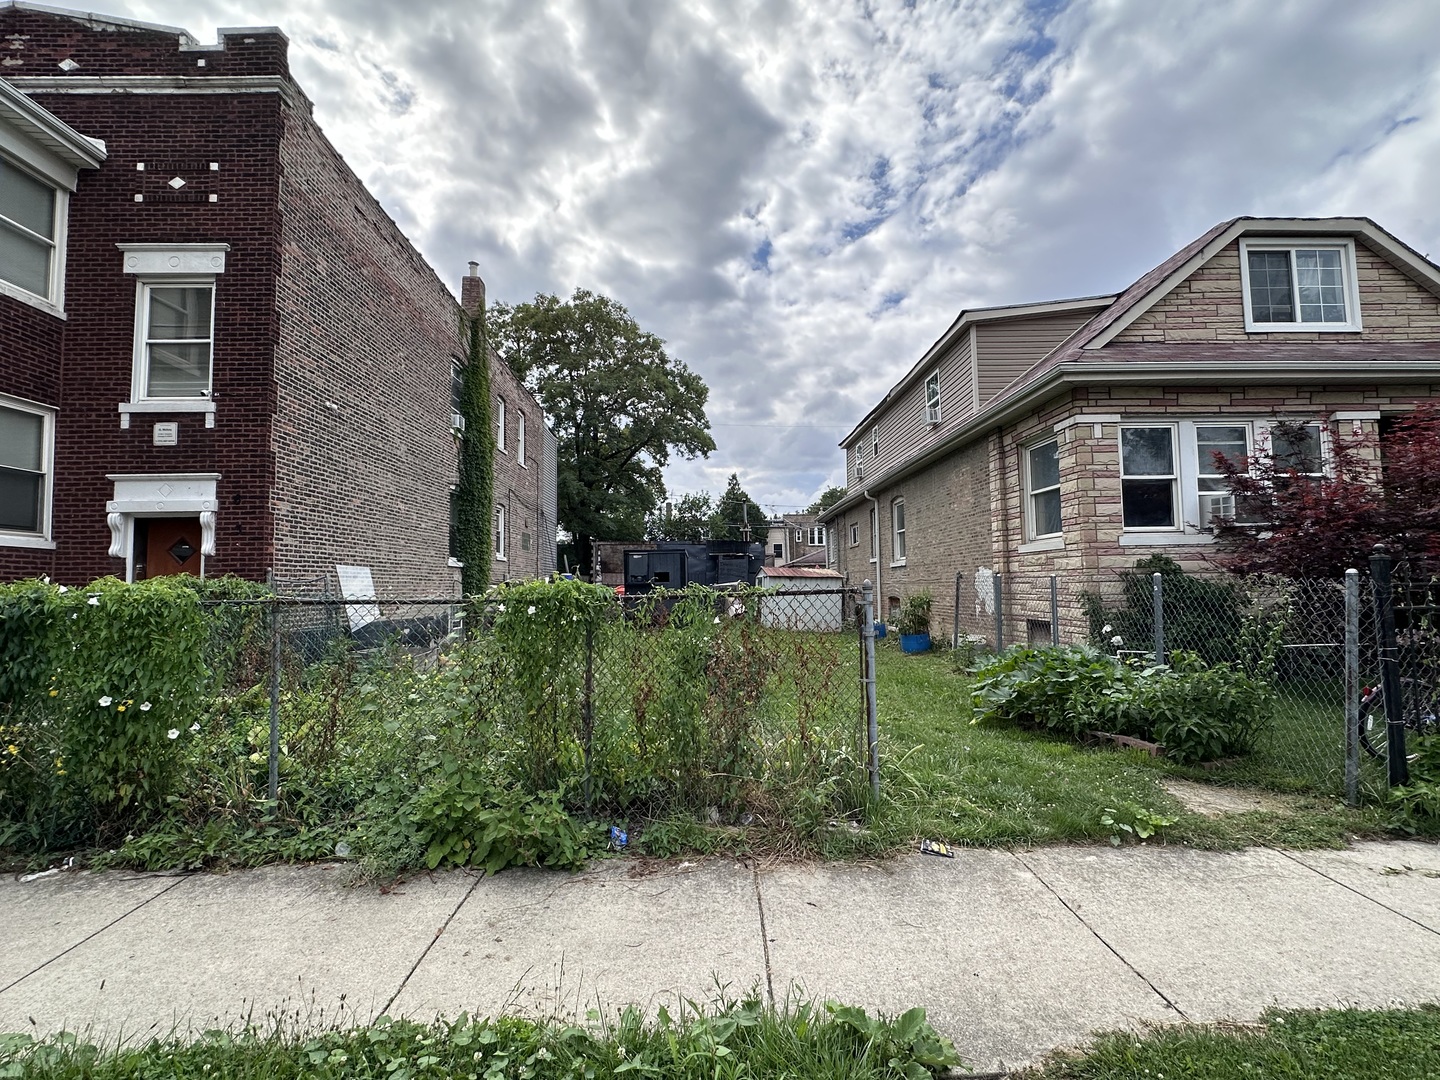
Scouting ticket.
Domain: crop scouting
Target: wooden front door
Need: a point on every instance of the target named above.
(168, 546)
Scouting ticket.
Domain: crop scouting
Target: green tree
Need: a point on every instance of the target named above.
(618, 404)
(474, 495)
(828, 498)
(690, 518)
(734, 509)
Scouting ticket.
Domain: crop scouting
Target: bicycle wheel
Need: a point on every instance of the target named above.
(1374, 730)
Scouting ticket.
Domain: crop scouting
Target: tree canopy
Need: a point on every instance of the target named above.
(618, 404)
(689, 518)
(1297, 524)
(734, 510)
(828, 498)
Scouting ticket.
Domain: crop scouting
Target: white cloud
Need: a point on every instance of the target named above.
(800, 196)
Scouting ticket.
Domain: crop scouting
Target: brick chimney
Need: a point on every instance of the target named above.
(472, 290)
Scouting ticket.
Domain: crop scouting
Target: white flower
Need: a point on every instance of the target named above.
(1106, 628)
(195, 728)
(173, 733)
(144, 706)
(94, 601)
(530, 610)
(717, 620)
(63, 589)
(1117, 640)
(105, 701)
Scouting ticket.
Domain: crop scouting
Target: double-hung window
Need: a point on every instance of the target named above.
(875, 441)
(1172, 476)
(897, 532)
(501, 540)
(1148, 477)
(26, 453)
(457, 396)
(520, 440)
(1299, 285)
(500, 425)
(1042, 479)
(817, 536)
(30, 220)
(932, 398)
(177, 340)
(855, 535)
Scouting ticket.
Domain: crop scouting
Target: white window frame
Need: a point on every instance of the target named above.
(1193, 528)
(854, 534)
(932, 397)
(897, 531)
(858, 453)
(54, 299)
(1177, 506)
(500, 425)
(42, 537)
(1352, 324)
(1190, 445)
(140, 368)
(520, 440)
(160, 265)
(1031, 532)
(817, 536)
(874, 535)
(502, 538)
(457, 382)
(875, 441)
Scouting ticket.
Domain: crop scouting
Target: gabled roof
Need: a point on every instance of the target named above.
(46, 129)
(1084, 357)
(963, 322)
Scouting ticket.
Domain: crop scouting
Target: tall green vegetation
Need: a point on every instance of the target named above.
(618, 404)
(475, 495)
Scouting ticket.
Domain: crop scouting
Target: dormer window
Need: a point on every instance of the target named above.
(1299, 285)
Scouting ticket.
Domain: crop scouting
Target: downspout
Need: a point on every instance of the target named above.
(875, 538)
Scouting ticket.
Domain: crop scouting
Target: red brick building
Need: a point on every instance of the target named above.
(218, 353)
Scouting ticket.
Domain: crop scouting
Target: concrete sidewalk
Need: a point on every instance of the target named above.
(1012, 953)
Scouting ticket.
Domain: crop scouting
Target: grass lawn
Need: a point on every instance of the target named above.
(1347, 1044)
(729, 1039)
(944, 779)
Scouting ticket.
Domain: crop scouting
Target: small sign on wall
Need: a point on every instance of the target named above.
(167, 434)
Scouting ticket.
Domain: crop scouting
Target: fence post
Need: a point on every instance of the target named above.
(872, 719)
(1352, 687)
(273, 790)
(1054, 609)
(955, 636)
(1380, 582)
(1158, 591)
(587, 707)
(999, 614)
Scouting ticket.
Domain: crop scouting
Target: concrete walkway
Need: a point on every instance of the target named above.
(1012, 953)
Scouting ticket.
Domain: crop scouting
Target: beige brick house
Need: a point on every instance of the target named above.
(1077, 436)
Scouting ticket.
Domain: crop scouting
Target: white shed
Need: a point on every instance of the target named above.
(823, 611)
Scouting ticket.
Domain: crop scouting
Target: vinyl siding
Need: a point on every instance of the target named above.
(903, 430)
(1009, 349)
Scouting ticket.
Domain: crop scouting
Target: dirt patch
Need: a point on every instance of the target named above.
(1210, 801)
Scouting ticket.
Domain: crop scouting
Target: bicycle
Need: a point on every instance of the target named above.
(1420, 713)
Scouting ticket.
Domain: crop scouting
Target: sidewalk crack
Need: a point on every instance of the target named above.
(430, 945)
(764, 938)
(87, 937)
(1357, 892)
(1113, 951)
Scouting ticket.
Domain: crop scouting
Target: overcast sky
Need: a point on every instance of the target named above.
(800, 196)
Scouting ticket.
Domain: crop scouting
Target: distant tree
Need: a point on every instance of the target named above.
(1383, 490)
(689, 519)
(828, 498)
(734, 509)
(618, 404)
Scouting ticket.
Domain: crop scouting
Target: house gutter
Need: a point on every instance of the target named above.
(1086, 373)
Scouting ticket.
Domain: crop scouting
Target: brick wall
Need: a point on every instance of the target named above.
(517, 485)
(365, 457)
(1209, 307)
(91, 354)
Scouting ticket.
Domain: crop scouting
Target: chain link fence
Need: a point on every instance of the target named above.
(732, 706)
(1322, 736)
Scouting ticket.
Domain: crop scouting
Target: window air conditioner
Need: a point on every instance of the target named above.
(457, 422)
